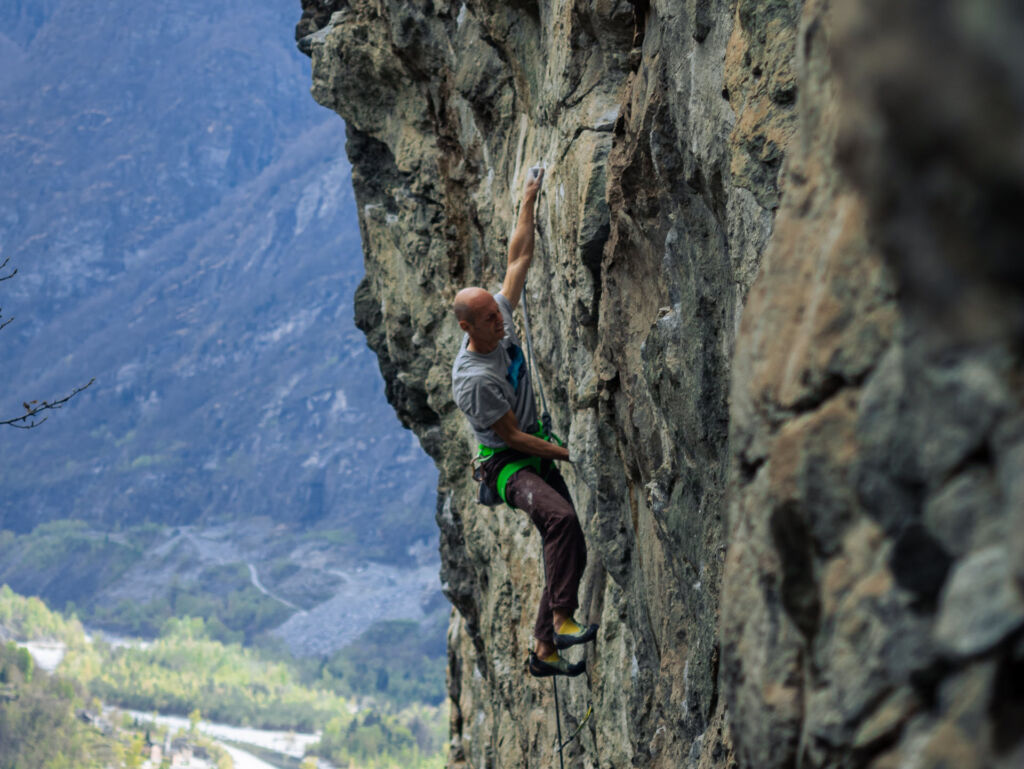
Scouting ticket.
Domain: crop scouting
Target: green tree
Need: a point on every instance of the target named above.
(133, 755)
(38, 726)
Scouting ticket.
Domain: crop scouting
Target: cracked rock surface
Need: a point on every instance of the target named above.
(777, 310)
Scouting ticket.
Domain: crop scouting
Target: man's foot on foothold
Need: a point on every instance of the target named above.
(555, 665)
(569, 634)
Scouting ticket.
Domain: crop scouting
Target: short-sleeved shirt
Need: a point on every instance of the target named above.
(485, 387)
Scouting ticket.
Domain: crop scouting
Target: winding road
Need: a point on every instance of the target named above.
(259, 586)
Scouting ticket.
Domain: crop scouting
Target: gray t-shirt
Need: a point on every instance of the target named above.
(485, 387)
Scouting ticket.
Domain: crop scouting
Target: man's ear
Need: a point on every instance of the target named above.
(464, 325)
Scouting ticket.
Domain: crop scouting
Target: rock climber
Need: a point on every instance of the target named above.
(491, 384)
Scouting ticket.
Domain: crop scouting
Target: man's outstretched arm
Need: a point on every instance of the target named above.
(520, 246)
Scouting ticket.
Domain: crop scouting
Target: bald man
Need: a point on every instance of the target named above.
(491, 384)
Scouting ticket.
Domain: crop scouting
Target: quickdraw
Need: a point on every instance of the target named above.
(561, 745)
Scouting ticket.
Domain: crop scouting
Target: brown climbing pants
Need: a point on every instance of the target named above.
(565, 553)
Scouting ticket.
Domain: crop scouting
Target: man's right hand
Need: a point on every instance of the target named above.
(508, 430)
(534, 181)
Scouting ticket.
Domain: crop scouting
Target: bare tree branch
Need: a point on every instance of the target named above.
(3, 266)
(33, 408)
(27, 420)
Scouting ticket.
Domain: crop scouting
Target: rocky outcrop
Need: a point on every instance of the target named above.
(777, 311)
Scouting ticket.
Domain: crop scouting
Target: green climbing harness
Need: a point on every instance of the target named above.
(506, 472)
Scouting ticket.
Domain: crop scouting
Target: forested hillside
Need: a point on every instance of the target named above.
(187, 673)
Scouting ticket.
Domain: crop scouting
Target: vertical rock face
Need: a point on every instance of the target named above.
(872, 602)
(777, 309)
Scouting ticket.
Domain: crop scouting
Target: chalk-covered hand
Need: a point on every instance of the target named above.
(534, 180)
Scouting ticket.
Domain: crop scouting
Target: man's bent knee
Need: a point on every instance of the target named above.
(564, 520)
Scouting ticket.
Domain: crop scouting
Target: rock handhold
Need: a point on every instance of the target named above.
(981, 605)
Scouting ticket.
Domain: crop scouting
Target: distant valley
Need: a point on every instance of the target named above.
(254, 581)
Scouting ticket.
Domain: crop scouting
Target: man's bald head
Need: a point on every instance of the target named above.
(469, 301)
(480, 317)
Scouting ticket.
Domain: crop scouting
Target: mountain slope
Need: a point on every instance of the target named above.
(181, 219)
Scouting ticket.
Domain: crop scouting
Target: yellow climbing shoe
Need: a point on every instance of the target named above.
(569, 634)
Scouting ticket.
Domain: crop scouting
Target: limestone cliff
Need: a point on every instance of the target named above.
(778, 307)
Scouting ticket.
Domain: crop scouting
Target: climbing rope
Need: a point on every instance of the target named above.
(545, 416)
(558, 722)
